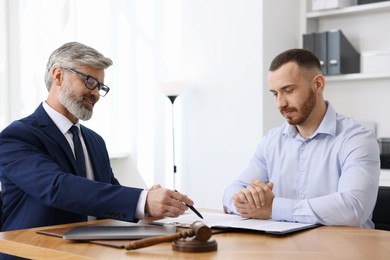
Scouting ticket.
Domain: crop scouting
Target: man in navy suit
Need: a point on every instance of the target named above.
(38, 172)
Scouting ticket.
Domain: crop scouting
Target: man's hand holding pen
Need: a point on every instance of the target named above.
(194, 209)
(255, 201)
(161, 202)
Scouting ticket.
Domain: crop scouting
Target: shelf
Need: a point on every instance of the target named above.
(384, 178)
(357, 76)
(118, 155)
(356, 9)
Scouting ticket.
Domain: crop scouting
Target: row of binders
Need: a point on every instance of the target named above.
(335, 52)
(332, 4)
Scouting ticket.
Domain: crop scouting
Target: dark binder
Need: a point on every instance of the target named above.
(342, 56)
(308, 41)
(320, 48)
(316, 43)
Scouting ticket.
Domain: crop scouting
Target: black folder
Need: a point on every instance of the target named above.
(335, 52)
(316, 43)
(342, 57)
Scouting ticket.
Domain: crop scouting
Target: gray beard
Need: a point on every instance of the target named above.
(74, 106)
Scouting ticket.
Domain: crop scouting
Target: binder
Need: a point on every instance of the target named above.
(342, 57)
(331, 4)
(308, 41)
(335, 52)
(320, 48)
(316, 43)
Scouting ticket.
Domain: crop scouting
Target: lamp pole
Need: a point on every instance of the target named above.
(172, 89)
(172, 98)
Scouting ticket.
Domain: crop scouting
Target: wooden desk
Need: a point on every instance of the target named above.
(328, 243)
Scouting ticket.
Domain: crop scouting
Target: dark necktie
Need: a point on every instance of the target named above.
(78, 150)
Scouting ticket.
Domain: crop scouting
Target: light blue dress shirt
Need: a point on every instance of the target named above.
(330, 178)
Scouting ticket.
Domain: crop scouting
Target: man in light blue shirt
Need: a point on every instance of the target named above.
(319, 167)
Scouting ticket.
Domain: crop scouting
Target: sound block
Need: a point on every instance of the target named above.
(194, 245)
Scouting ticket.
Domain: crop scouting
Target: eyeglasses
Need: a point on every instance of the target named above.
(91, 82)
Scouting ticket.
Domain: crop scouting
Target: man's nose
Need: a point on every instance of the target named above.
(95, 93)
(280, 101)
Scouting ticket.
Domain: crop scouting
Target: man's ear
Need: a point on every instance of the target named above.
(319, 83)
(58, 76)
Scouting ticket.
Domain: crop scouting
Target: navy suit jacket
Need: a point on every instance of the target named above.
(39, 182)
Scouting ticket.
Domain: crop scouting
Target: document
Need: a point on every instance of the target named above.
(229, 221)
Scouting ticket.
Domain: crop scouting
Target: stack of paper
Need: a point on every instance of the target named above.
(228, 221)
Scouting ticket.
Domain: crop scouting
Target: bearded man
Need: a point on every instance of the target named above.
(319, 167)
(53, 170)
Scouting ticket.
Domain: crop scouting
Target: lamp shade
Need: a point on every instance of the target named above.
(172, 88)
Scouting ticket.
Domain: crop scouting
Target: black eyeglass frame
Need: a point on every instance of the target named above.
(103, 89)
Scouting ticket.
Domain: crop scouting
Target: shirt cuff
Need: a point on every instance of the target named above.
(282, 209)
(140, 210)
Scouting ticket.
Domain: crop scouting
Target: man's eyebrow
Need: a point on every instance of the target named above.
(282, 88)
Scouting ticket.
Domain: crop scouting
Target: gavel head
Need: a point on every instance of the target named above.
(201, 231)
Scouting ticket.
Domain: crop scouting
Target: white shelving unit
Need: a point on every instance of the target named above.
(118, 155)
(358, 76)
(314, 17)
(384, 179)
(362, 96)
(351, 10)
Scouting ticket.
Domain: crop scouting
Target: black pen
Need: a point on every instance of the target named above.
(193, 209)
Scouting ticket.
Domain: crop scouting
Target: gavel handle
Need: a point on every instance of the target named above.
(156, 240)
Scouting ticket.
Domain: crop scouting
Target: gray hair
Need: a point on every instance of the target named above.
(74, 54)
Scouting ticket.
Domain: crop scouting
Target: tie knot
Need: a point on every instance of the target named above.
(74, 130)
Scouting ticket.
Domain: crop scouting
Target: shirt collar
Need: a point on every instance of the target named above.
(327, 125)
(59, 119)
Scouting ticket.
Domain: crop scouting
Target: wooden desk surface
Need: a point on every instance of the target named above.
(319, 243)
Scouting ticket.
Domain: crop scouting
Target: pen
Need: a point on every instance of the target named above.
(193, 209)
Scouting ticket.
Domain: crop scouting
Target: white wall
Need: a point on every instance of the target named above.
(3, 63)
(227, 47)
(221, 47)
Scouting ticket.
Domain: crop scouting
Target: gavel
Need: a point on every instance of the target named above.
(198, 229)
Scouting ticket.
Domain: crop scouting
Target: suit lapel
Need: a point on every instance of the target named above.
(50, 128)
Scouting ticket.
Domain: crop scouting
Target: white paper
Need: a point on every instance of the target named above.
(220, 220)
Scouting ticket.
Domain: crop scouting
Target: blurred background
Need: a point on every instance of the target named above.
(219, 49)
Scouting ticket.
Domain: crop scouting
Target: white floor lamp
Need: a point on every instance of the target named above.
(172, 89)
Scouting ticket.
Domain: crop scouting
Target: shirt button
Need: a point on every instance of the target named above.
(301, 196)
(302, 169)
